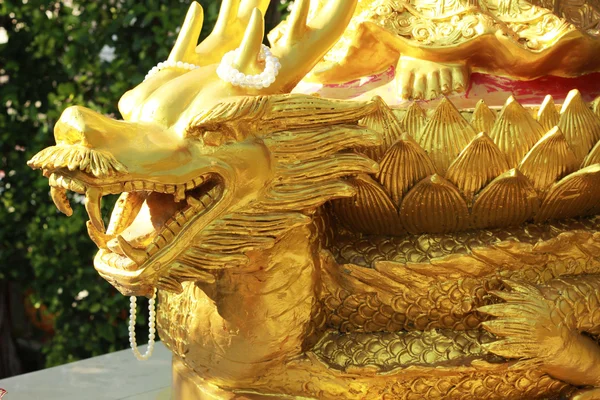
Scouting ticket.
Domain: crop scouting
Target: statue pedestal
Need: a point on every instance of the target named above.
(114, 376)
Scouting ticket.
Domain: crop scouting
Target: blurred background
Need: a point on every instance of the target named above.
(54, 308)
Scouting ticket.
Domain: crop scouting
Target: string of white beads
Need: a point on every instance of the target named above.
(229, 73)
(170, 64)
(151, 326)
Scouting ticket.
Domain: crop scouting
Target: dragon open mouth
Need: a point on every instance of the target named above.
(147, 217)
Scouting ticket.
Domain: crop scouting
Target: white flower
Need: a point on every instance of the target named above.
(3, 36)
(79, 198)
(82, 295)
(107, 53)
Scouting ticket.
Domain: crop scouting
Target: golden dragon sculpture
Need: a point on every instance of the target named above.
(310, 247)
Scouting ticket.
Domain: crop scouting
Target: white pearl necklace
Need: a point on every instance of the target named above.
(228, 73)
(151, 325)
(170, 64)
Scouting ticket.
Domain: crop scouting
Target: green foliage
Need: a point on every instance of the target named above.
(51, 61)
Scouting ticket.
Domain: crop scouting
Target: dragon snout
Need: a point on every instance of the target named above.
(80, 125)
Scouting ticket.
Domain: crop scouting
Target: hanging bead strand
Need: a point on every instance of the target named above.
(151, 326)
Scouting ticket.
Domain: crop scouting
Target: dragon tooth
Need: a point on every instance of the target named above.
(194, 202)
(173, 226)
(93, 198)
(127, 208)
(180, 218)
(167, 234)
(206, 200)
(137, 255)
(160, 241)
(199, 181)
(152, 248)
(59, 197)
(138, 185)
(97, 237)
(76, 186)
(52, 180)
(179, 193)
(60, 181)
(169, 189)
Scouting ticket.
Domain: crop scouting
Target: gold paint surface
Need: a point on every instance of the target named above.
(311, 248)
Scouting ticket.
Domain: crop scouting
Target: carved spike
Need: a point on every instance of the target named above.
(384, 121)
(508, 201)
(515, 132)
(549, 160)
(414, 120)
(185, 45)
(579, 124)
(445, 135)
(483, 118)
(547, 115)
(479, 163)
(247, 58)
(169, 284)
(593, 157)
(404, 164)
(370, 211)
(434, 205)
(575, 195)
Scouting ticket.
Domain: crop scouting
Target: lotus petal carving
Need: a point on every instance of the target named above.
(434, 205)
(414, 120)
(515, 131)
(370, 211)
(593, 157)
(384, 121)
(478, 164)
(445, 135)
(575, 195)
(548, 115)
(404, 164)
(509, 200)
(579, 124)
(483, 118)
(549, 160)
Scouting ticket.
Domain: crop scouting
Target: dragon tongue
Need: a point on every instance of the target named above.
(59, 197)
(93, 198)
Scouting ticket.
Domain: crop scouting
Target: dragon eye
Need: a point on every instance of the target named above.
(213, 138)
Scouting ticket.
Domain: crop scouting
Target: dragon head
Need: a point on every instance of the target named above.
(207, 171)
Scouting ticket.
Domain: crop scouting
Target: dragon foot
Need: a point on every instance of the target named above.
(427, 80)
(537, 325)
